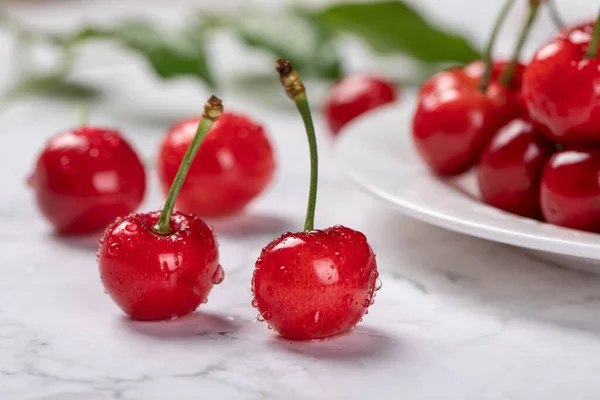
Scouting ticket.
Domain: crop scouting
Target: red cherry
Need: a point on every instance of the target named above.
(85, 178)
(561, 91)
(234, 165)
(316, 283)
(310, 285)
(162, 264)
(458, 113)
(156, 277)
(510, 168)
(570, 189)
(470, 76)
(450, 127)
(354, 95)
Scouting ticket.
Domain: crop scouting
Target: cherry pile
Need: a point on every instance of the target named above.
(532, 131)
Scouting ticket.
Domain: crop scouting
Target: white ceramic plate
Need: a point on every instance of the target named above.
(377, 153)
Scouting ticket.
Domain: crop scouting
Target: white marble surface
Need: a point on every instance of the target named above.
(457, 318)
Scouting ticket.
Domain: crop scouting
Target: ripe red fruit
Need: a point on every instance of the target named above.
(316, 283)
(450, 127)
(234, 165)
(560, 89)
(354, 95)
(510, 168)
(85, 178)
(161, 265)
(570, 189)
(310, 285)
(155, 277)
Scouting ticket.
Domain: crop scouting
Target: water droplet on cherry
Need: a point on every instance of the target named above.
(378, 284)
(254, 303)
(267, 315)
(93, 152)
(205, 300)
(366, 303)
(113, 249)
(131, 228)
(219, 275)
(259, 318)
(347, 301)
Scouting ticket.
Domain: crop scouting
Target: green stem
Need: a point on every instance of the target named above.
(489, 48)
(291, 82)
(303, 107)
(212, 111)
(82, 113)
(509, 71)
(555, 14)
(592, 50)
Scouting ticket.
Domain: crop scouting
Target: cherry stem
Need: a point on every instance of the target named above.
(486, 56)
(592, 51)
(291, 82)
(555, 14)
(212, 111)
(509, 71)
(82, 113)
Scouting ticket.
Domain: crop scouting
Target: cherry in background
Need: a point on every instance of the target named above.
(316, 283)
(561, 86)
(161, 265)
(570, 189)
(354, 95)
(85, 178)
(459, 110)
(510, 168)
(234, 165)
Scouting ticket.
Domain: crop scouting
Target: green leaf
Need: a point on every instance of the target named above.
(294, 36)
(171, 54)
(52, 85)
(393, 26)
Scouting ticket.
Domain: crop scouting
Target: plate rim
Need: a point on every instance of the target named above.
(485, 231)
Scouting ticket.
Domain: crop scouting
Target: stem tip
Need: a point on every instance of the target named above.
(213, 108)
(290, 80)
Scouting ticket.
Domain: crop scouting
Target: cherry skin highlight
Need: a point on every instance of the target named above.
(85, 178)
(570, 189)
(451, 127)
(154, 277)
(354, 95)
(234, 164)
(560, 88)
(312, 285)
(510, 168)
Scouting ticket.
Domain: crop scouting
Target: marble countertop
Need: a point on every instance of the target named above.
(458, 318)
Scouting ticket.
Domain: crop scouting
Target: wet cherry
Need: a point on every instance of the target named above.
(316, 283)
(459, 110)
(570, 189)
(561, 87)
(510, 168)
(354, 95)
(234, 165)
(161, 264)
(85, 178)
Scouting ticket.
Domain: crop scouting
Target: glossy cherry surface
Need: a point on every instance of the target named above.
(311, 285)
(235, 164)
(85, 178)
(510, 168)
(156, 277)
(450, 127)
(570, 189)
(560, 88)
(354, 95)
